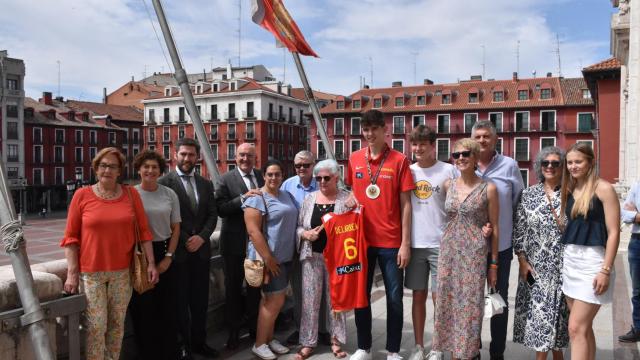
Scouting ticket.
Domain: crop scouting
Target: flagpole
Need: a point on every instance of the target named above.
(314, 106)
(181, 77)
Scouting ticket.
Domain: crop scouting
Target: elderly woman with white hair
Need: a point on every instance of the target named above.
(541, 317)
(312, 240)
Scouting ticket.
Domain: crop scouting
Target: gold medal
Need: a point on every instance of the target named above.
(373, 191)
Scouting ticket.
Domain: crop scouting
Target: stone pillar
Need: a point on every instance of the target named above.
(633, 114)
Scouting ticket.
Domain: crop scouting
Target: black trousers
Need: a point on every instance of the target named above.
(192, 290)
(153, 315)
(236, 304)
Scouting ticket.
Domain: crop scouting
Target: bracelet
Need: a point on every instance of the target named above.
(607, 268)
(494, 262)
(493, 267)
(606, 273)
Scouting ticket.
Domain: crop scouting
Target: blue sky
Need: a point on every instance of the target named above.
(103, 43)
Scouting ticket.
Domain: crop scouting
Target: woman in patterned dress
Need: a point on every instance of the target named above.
(462, 264)
(541, 317)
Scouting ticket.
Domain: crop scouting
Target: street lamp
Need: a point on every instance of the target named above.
(71, 186)
(78, 179)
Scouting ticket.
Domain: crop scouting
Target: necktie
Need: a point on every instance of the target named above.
(190, 193)
(252, 184)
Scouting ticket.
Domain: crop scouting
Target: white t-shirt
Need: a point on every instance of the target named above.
(427, 203)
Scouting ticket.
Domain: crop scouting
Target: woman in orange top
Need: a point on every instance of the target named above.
(98, 242)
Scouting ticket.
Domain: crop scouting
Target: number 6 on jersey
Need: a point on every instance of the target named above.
(350, 251)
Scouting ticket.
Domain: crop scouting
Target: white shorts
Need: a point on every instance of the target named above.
(580, 266)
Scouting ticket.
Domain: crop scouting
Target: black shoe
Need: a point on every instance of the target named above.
(294, 339)
(206, 351)
(234, 340)
(495, 357)
(324, 338)
(632, 336)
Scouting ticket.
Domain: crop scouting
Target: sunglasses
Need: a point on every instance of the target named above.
(298, 166)
(554, 163)
(464, 154)
(325, 178)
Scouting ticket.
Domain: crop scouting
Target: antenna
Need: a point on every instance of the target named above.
(239, 31)
(371, 69)
(284, 65)
(211, 62)
(484, 65)
(58, 61)
(144, 73)
(415, 66)
(518, 57)
(558, 55)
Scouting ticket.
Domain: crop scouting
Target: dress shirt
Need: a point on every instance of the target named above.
(192, 179)
(628, 217)
(297, 189)
(246, 176)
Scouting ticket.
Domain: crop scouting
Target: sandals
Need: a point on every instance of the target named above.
(300, 355)
(337, 351)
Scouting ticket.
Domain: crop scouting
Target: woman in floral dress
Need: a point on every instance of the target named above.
(462, 264)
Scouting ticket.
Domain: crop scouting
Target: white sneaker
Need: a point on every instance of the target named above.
(435, 355)
(263, 352)
(418, 353)
(361, 355)
(278, 348)
(394, 356)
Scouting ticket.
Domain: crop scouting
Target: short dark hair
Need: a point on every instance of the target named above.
(423, 133)
(372, 118)
(149, 155)
(188, 142)
(272, 162)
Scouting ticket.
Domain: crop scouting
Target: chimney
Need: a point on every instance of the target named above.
(549, 74)
(132, 79)
(428, 82)
(515, 76)
(229, 72)
(104, 95)
(366, 86)
(47, 97)
(204, 75)
(396, 84)
(476, 78)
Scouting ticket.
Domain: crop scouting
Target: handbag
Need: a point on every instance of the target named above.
(254, 272)
(493, 304)
(139, 264)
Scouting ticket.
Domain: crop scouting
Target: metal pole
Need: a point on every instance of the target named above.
(33, 314)
(187, 96)
(314, 107)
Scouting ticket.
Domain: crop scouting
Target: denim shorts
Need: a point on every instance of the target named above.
(279, 283)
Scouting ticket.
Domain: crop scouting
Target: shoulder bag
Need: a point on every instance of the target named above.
(139, 264)
(254, 272)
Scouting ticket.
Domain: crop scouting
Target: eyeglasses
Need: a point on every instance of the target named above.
(112, 167)
(325, 178)
(554, 163)
(298, 166)
(464, 154)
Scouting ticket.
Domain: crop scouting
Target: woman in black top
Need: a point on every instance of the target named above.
(312, 240)
(591, 237)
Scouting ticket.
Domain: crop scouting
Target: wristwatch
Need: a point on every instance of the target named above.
(169, 254)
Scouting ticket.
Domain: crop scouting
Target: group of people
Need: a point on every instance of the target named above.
(451, 227)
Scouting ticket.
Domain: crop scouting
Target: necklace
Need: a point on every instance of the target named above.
(324, 207)
(107, 195)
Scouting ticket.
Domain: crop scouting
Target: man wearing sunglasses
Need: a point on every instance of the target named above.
(504, 173)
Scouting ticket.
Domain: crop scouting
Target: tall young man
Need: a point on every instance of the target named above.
(630, 215)
(504, 173)
(381, 181)
(427, 224)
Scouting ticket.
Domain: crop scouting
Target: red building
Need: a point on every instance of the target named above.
(529, 114)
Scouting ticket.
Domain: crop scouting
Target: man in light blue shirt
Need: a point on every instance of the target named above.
(630, 215)
(504, 173)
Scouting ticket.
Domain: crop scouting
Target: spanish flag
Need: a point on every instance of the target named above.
(273, 16)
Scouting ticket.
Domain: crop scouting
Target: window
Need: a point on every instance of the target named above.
(181, 132)
(301, 117)
(37, 177)
(231, 151)
(281, 132)
(78, 152)
(469, 120)
(271, 131)
(59, 175)
(250, 109)
(280, 113)
(338, 126)
(421, 100)
(280, 151)
(523, 95)
(80, 170)
(214, 112)
(521, 149)
(271, 114)
(12, 172)
(251, 132)
(165, 152)
(213, 132)
(270, 150)
(112, 138)
(377, 103)
(166, 135)
(37, 154)
(214, 150)
(446, 99)
(545, 94)
(473, 97)
(588, 142)
(547, 141)
(152, 116)
(58, 154)
(586, 94)
(12, 130)
(166, 118)
(136, 136)
(290, 131)
(355, 145)
(496, 120)
(522, 121)
(442, 149)
(231, 132)
(355, 126)
(37, 135)
(398, 124)
(356, 104)
(92, 152)
(585, 122)
(398, 145)
(338, 146)
(418, 120)
(399, 101)
(499, 146)
(443, 123)
(199, 109)
(126, 136)
(93, 137)
(151, 134)
(12, 111)
(12, 84)
(340, 105)
(322, 154)
(498, 96)
(324, 126)
(181, 114)
(548, 120)
(525, 176)
(79, 136)
(12, 153)
(59, 136)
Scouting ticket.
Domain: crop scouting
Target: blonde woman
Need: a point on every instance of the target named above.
(591, 237)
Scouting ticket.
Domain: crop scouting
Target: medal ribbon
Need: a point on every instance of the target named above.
(374, 178)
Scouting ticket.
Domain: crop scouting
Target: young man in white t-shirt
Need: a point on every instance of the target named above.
(428, 222)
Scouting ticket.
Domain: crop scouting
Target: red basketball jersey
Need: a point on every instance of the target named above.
(346, 258)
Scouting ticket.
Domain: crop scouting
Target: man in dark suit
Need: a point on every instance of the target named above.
(191, 259)
(233, 187)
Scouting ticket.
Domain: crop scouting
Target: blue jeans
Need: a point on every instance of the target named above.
(499, 322)
(392, 276)
(634, 269)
